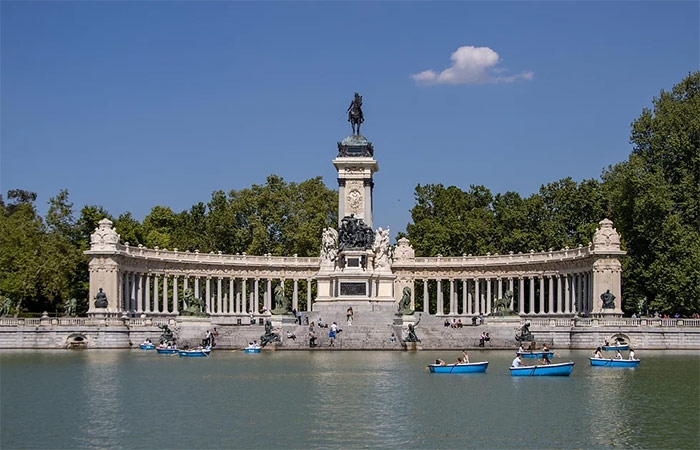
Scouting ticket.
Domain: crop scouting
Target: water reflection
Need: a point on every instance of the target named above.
(339, 399)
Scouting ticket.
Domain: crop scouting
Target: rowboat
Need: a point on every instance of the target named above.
(167, 351)
(147, 346)
(459, 368)
(536, 354)
(552, 370)
(252, 350)
(195, 352)
(616, 347)
(602, 362)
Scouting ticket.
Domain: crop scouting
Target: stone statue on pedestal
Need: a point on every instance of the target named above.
(329, 245)
(608, 299)
(525, 334)
(281, 302)
(502, 305)
(269, 336)
(167, 334)
(70, 306)
(195, 306)
(355, 116)
(354, 234)
(382, 250)
(412, 336)
(405, 303)
(101, 300)
(6, 306)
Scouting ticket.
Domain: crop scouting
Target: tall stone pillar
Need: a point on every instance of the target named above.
(521, 295)
(148, 293)
(464, 297)
(477, 297)
(607, 269)
(470, 298)
(488, 295)
(208, 294)
(567, 295)
(268, 294)
(165, 293)
(541, 306)
(256, 296)
(550, 309)
(133, 293)
(560, 296)
(308, 295)
(426, 297)
(139, 293)
(440, 307)
(453, 302)
(295, 295)
(512, 291)
(531, 309)
(356, 166)
(104, 268)
(176, 300)
(500, 288)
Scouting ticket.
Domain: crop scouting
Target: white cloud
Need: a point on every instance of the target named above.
(471, 65)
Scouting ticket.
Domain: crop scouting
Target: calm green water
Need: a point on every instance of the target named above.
(138, 399)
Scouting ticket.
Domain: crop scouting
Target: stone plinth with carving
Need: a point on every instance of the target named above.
(607, 270)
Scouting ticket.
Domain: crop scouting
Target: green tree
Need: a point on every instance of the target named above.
(655, 200)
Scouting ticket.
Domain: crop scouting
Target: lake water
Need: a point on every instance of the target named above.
(138, 399)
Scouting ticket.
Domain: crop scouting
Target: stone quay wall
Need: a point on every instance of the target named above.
(374, 333)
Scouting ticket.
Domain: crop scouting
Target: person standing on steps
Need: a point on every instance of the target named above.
(348, 315)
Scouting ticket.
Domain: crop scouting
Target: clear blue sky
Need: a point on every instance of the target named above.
(133, 104)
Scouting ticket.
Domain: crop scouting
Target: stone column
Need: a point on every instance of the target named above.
(256, 296)
(245, 300)
(512, 291)
(489, 281)
(208, 293)
(268, 293)
(541, 310)
(531, 303)
(521, 295)
(147, 305)
(550, 310)
(477, 297)
(165, 293)
(440, 308)
(560, 296)
(295, 295)
(196, 289)
(176, 301)
(156, 299)
(567, 295)
(308, 295)
(464, 296)
(470, 298)
(453, 303)
(139, 293)
(132, 303)
(426, 297)
(500, 288)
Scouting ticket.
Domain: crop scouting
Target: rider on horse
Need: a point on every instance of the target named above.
(355, 116)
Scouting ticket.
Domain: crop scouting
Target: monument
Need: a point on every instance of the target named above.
(355, 269)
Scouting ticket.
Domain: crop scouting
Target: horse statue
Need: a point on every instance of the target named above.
(70, 306)
(502, 305)
(355, 116)
(6, 306)
(269, 336)
(405, 303)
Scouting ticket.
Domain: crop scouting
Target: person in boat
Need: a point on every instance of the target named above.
(255, 344)
(465, 357)
(545, 348)
(439, 362)
(606, 343)
(618, 355)
(597, 353)
(517, 362)
(545, 360)
(521, 349)
(632, 355)
(459, 361)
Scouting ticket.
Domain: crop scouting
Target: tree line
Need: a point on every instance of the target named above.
(653, 198)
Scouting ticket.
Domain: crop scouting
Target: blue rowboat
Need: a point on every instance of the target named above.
(536, 354)
(252, 350)
(167, 351)
(147, 347)
(551, 370)
(601, 362)
(191, 353)
(616, 347)
(459, 368)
